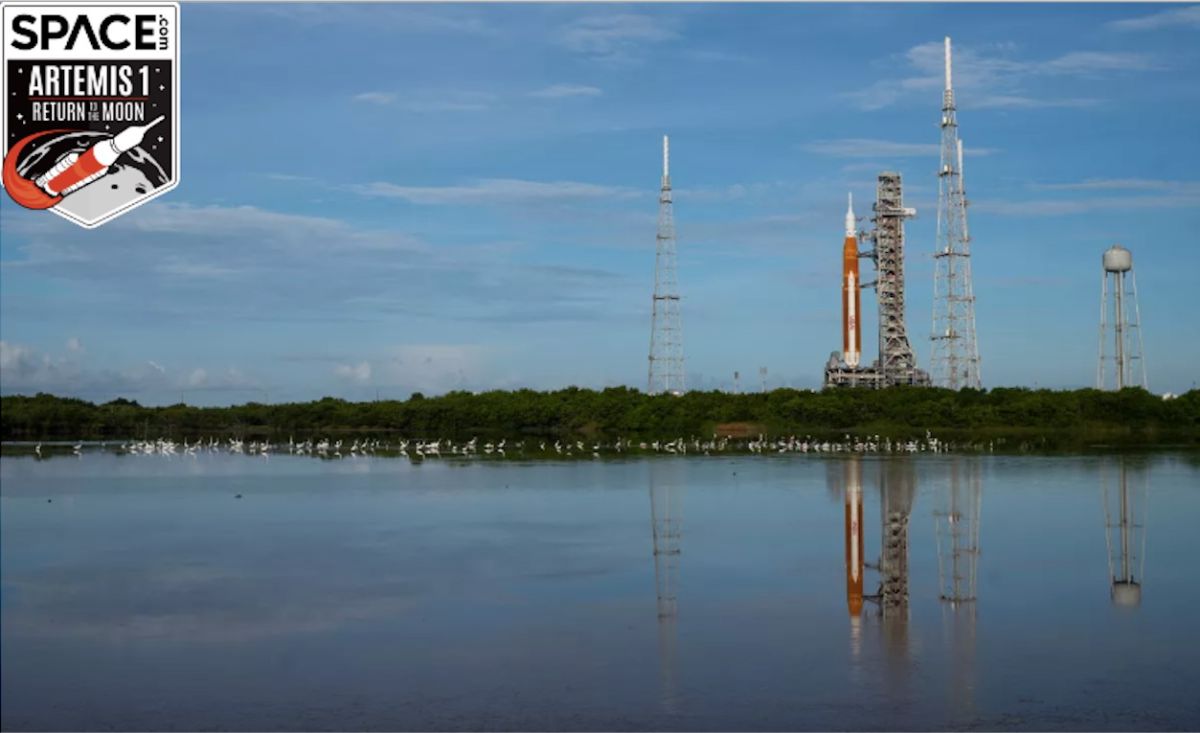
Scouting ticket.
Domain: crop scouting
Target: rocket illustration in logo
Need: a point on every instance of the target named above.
(72, 171)
(851, 300)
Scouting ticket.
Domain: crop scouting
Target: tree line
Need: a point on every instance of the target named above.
(1131, 415)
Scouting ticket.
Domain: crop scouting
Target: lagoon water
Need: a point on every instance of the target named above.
(138, 592)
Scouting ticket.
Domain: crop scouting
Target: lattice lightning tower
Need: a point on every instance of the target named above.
(954, 361)
(666, 329)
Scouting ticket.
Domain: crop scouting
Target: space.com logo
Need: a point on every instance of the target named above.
(91, 106)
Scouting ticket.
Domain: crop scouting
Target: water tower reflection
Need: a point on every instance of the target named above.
(1126, 498)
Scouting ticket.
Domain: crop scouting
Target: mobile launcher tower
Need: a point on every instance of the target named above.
(896, 364)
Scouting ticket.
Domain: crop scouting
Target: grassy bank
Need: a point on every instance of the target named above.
(1047, 418)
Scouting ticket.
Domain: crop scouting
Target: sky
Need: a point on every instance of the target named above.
(383, 199)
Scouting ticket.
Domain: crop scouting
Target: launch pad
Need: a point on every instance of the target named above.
(896, 364)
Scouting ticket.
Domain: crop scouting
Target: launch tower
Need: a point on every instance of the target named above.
(896, 364)
(666, 329)
(954, 358)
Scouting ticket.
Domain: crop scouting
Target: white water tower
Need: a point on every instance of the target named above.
(1120, 324)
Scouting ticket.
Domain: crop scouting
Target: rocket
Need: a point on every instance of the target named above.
(75, 171)
(851, 300)
(854, 539)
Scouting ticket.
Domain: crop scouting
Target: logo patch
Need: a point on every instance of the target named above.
(91, 106)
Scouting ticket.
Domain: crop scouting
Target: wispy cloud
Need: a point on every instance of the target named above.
(993, 77)
(1141, 193)
(871, 148)
(618, 38)
(1017, 101)
(406, 19)
(559, 91)
(290, 178)
(715, 56)
(1122, 184)
(493, 191)
(429, 101)
(376, 97)
(1082, 63)
(1188, 17)
(304, 270)
(180, 267)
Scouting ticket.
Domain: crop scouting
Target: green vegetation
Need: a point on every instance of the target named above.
(1045, 418)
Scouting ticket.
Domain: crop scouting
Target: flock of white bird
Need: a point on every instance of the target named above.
(326, 448)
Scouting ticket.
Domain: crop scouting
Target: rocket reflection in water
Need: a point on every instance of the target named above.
(896, 488)
(854, 540)
(666, 525)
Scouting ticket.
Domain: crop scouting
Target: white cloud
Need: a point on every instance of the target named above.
(1188, 17)
(18, 362)
(559, 91)
(74, 345)
(24, 369)
(614, 38)
(376, 97)
(871, 148)
(359, 373)
(493, 191)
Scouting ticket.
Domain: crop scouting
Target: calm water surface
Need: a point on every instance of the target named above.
(699, 593)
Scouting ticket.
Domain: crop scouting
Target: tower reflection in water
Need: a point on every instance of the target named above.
(956, 528)
(666, 526)
(957, 518)
(897, 490)
(1126, 498)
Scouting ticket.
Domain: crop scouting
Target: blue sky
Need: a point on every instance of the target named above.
(428, 197)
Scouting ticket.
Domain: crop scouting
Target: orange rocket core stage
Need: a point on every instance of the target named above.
(854, 540)
(851, 299)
